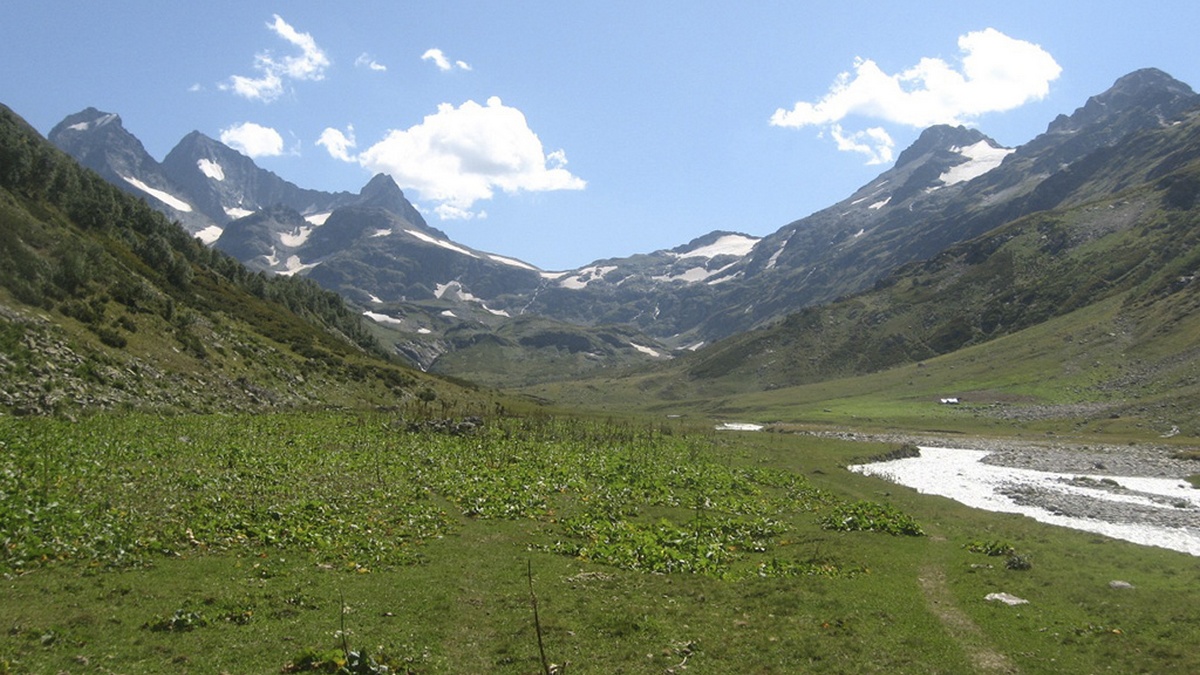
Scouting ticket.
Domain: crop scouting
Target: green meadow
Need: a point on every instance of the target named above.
(364, 543)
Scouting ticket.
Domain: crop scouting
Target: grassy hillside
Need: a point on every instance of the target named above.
(106, 304)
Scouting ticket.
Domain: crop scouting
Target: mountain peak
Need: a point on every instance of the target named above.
(1138, 100)
(87, 119)
(382, 192)
(1146, 82)
(940, 137)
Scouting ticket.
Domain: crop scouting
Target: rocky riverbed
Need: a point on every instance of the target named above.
(1137, 493)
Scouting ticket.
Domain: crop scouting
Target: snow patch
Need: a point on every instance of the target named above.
(728, 244)
(296, 237)
(512, 262)
(235, 212)
(582, 277)
(438, 242)
(211, 169)
(380, 233)
(698, 274)
(210, 234)
(99, 121)
(164, 197)
(383, 318)
(880, 204)
(450, 314)
(457, 292)
(775, 256)
(294, 265)
(375, 299)
(981, 158)
(649, 351)
(739, 426)
(318, 219)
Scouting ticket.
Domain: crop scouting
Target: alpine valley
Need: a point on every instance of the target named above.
(251, 427)
(492, 318)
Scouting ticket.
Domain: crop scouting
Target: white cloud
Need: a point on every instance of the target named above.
(439, 59)
(875, 143)
(337, 143)
(459, 156)
(253, 140)
(267, 86)
(364, 60)
(996, 73)
(450, 212)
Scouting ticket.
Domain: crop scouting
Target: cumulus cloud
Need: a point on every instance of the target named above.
(996, 73)
(459, 156)
(439, 59)
(268, 85)
(337, 143)
(253, 140)
(365, 60)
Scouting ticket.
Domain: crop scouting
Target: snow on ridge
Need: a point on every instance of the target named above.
(210, 168)
(981, 158)
(727, 244)
(512, 262)
(582, 277)
(99, 122)
(164, 197)
(438, 242)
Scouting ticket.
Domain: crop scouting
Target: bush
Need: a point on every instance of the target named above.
(991, 548)
(871, 517)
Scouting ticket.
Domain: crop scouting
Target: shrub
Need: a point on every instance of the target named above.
(991, 548)
(871, 517)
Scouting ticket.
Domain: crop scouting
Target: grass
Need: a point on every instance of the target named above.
(243, 543)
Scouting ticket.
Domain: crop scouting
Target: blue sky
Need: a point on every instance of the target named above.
(561, 133)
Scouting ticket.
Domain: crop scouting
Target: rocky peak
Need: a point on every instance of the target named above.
(1140, 100)
(940, 138)
(382, 192)
(99, 141)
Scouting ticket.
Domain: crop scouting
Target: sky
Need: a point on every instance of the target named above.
(564, 133)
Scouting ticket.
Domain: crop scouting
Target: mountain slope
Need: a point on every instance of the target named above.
(104, 304)
(1120, 273)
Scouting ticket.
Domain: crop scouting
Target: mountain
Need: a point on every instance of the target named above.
(100, 142)
(1084, 316)
(950, 185)
(224, 184)
(106, 304)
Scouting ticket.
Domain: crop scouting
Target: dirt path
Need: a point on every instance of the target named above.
(966, 632)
